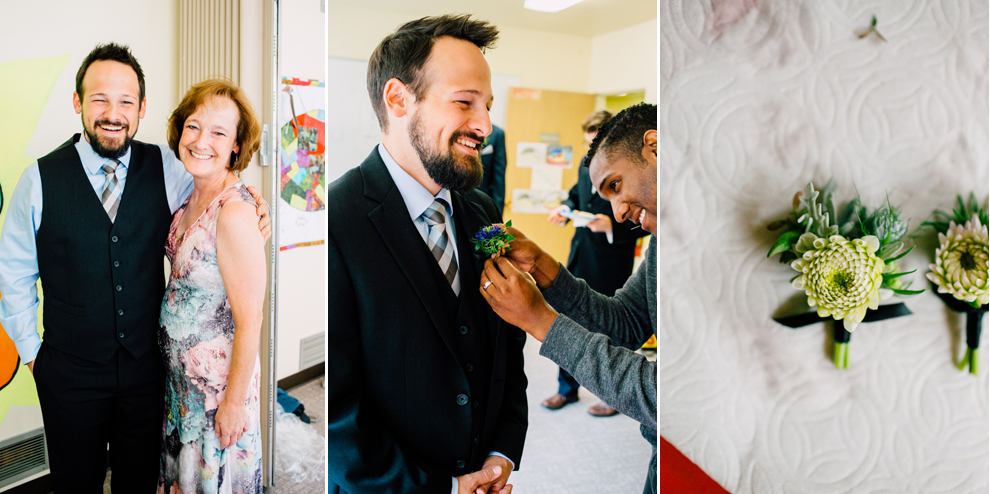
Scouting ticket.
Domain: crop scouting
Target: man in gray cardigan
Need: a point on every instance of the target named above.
(573, 321)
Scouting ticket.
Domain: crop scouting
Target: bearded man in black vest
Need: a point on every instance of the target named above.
(98, 250)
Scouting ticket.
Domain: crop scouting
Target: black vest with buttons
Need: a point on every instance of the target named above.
(474, 343)
(103, 281)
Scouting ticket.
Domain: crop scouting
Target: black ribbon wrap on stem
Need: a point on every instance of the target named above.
(974, 327)
(839, 333)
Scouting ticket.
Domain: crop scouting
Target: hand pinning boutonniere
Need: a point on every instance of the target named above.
(843, 261)
(960, 269)
(493, 239)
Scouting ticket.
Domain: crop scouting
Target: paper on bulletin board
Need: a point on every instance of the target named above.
(560, 156)
(537, 201)
(302, 214)
(530, 154)
(545, 177)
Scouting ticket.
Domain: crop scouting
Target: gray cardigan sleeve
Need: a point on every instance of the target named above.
(627, 318)
(625, 380)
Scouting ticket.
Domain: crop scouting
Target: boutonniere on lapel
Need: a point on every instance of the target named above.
(493, 239)
(843, 262)
(960, 270)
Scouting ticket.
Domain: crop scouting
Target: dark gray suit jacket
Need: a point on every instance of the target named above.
(398, 417)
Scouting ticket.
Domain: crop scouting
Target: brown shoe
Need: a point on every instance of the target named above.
(600, 409)
(558, 401)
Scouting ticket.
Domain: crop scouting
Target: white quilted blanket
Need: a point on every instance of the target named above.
(756, 98)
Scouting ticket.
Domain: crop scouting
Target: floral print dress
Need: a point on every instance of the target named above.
(196, 341)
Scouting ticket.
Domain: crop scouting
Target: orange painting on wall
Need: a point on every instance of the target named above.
(9, 360)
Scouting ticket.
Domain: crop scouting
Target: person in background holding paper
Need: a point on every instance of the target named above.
(426, 391)
(99, 251)
(602, 253)
(493, 167)
(576, 324)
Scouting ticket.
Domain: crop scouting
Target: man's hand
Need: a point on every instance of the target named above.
(601, 224)
(31, 366)
(530, 258)
(265, 221)
(516, 298)
(500, 483)
(472, 483)
(557, 218)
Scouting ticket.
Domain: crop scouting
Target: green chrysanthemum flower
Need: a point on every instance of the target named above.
(960, 267)
(841, 277)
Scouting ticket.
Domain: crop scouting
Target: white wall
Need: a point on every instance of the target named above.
(625, 61)
(58, 27)
(541, 60)
(302, 271)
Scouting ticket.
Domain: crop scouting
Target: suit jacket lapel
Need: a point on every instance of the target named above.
(391, 219)
(470, 218)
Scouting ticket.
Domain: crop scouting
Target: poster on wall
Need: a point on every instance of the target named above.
(559, 156)
(530, 154)
(545, 177)
(537, 201)
(302, 215)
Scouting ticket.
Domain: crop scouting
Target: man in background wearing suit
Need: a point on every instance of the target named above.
(493, 164)
(425, 384)
(602, 255)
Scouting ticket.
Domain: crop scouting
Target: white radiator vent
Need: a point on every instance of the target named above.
(22, 456)
(311, 350)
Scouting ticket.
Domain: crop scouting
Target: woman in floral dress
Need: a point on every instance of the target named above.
(212, 311)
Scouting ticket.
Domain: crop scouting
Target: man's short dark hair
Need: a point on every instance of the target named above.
(402, 54)
(624, 133)
(115, 53)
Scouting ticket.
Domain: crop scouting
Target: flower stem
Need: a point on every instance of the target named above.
(974, 361)
(965, 360)
(841, 356)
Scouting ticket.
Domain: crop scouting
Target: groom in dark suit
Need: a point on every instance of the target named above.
(425, 384)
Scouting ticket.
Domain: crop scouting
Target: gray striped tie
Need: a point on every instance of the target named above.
(111, 189)
(439, 243)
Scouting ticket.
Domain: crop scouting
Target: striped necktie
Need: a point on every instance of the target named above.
(111, 189)
(439, 243)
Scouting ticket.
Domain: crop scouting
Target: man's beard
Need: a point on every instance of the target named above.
(444, 168)
(104, 149)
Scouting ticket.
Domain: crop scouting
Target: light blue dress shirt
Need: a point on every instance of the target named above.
(18, 248)
(417, 199)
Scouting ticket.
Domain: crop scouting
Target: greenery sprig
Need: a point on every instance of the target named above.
(493, 239)
(814, 211)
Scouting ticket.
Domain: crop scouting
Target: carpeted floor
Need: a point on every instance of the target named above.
(313, 397)
(568, 450)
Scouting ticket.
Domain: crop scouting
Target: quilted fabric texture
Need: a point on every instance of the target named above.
(756, 98)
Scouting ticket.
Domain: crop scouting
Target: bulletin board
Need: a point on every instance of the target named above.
(530, 115)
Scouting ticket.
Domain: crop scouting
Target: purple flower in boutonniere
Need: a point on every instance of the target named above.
(493, 239)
